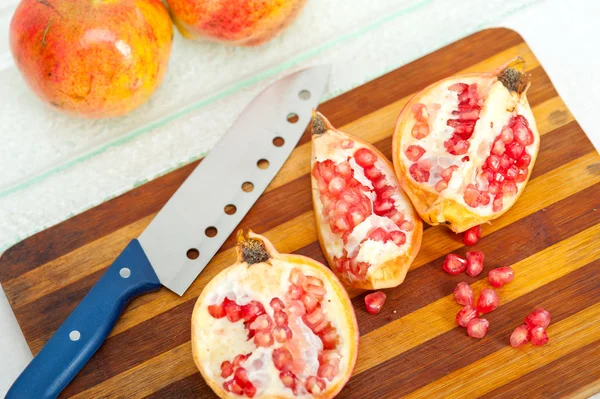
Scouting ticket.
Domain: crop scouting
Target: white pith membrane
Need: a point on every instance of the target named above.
(221, 340)
(338, 148)
(498, 108)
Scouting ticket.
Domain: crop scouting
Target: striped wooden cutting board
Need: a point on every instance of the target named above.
(412, 348)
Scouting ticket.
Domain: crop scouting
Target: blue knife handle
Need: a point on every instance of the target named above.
(86, 328)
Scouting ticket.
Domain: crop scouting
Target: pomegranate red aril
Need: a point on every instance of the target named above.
(419, 174)
(515, 150)
(329, 337)
(280, 318)
(295, 292)
(464, 294)
(233, 311)
(512, 172)
(239, 360)
(378, 234)
(252, 310)
(500, 276)
(459, 87)
(540, 317)
(488, 300)
(217, 311)
(314, 318)
(420, 112)
(520, 336)
(447, 173)
(226, 369)
(509, 188)
(420, 130)
(506, 135)
(474, 263)
(327, 371)
(296, 308)
(373, 173)
(277, 304)
(471, 196)
(263, 338)
(524, 160)
(250, 391)
(539, 336)
(498, 148)
(314, 385)
(381, 207)
(441, 185)
(471, 236)
(282, 333)
(282, 359)
(310, 302)
(374, 302)
(240, 376)
(407, 225)
(454, 264)
(365, 157)
(465, 315)
(296, 277)
(233, 387)
(344, 170)
(477, 328)
(413, 152)
(337, 185)
(398, 237)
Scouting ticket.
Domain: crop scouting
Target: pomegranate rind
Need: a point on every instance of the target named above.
(433, 208)
(392, 272)
(258, 278)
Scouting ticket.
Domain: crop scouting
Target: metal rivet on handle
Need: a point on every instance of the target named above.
(125, 272)
(74, 335)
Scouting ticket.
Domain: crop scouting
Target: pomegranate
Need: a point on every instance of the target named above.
(474, 263)
(477, 328)
(253, 336)
(471, 236)
(465, 315)
(488, 300)
(367, 226)
(500, 276)
(464, 294)
(539, 336)
(520, 336)
(374, 302)
(465, 146)
(454, 264)
(539, 317)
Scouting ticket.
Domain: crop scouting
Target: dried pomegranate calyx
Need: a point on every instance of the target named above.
(274, 325)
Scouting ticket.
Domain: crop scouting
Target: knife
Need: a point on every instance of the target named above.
(187, 232)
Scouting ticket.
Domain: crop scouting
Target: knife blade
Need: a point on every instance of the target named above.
(187, 232)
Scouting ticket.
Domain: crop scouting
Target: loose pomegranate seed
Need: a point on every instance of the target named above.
(282, 359)
(454, 264)
(488, 300)
(500, 276)
(472, 235)
(263, 338)
(539, 336)
(474, 263)
(477, 328)
(216, 311)
(465, 315)
(519, 336)
(398, 237)
(464, 294)
(226, 369)
(315, 385)
(365, 157)
(277, 304)
(413, 153)
(329, 337)
(539, 317)
(252, 310)
(374, 302)
(232, 310)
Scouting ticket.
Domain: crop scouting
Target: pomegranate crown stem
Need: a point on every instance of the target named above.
(251, 250)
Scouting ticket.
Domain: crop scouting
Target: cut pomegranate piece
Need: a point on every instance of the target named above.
(477, 328)
(500, 276)
(465, 315)
(454, 264)
(368, 212)
(374, 302)
(474, 263)
(464, 294)
(519, 336)
(539, 317)
(500, 150)
(471, 236)
(488, 300)
(539, 336)
(276, 331)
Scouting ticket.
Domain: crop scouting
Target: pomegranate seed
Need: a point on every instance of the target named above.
(316, 291)
(373, 173)
(341, 223)
(239, 360)
(474, 263)
(465, 315)
(327, 371)
(232, 310)
(282, 333)
(494, 188)
(327, 171)
(458, 87)
(441, 185)
(507, 135)
(472, 235)
(320, 327)
(539, 317)
(509, 188)
(233, 387)
(337, 185)
(241, 377)
(386, 193)
(282, 359)
(329, 338)
(296, 307)
(216, 311)
(447, 173)
(420, 175)
(310, 302)
(347, 144)
(464, 294)
(250, 390)
(515, 150)
(512, 172)
(539, 336)
(505, 162)
(519, 336)
(382, 207)
(420, 130)
(407, 225)
(420, 112)
(454, 264)
(380, 183)
(498, 177)
(226, 369)
(252, 310)
(477, 328)
(315, 385)
(277, 304)
(365, 157)
(500, 276)
(460, 148)
(263, 338)
(522, 134)
(312, 280)
(471, 195)
(314, 318)
(488, 300)
(498, 148)
(288, 379)
(296, 277)
(398, 237)
(522, 176)
(497, 204)
(344, 169)
(295, 292)
(483, 199)
(524, 161)
(414, 153)
(379, 234)
(374, 302)
(280, 318)
(329, 356)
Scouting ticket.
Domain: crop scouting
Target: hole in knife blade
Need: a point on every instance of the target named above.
(262, 164)
(278, 141)
(230, 209)
(304, 95)
(211, 231)
(193, 253)
(247, 186)
(292, 117)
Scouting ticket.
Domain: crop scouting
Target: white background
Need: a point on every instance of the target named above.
(563, 35)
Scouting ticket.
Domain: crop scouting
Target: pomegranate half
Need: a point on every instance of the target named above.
(465, 146)
(367, 226)
(274, 325)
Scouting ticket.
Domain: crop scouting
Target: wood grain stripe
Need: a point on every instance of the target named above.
(508, 364)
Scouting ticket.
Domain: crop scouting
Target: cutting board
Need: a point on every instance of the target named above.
(413, 347)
